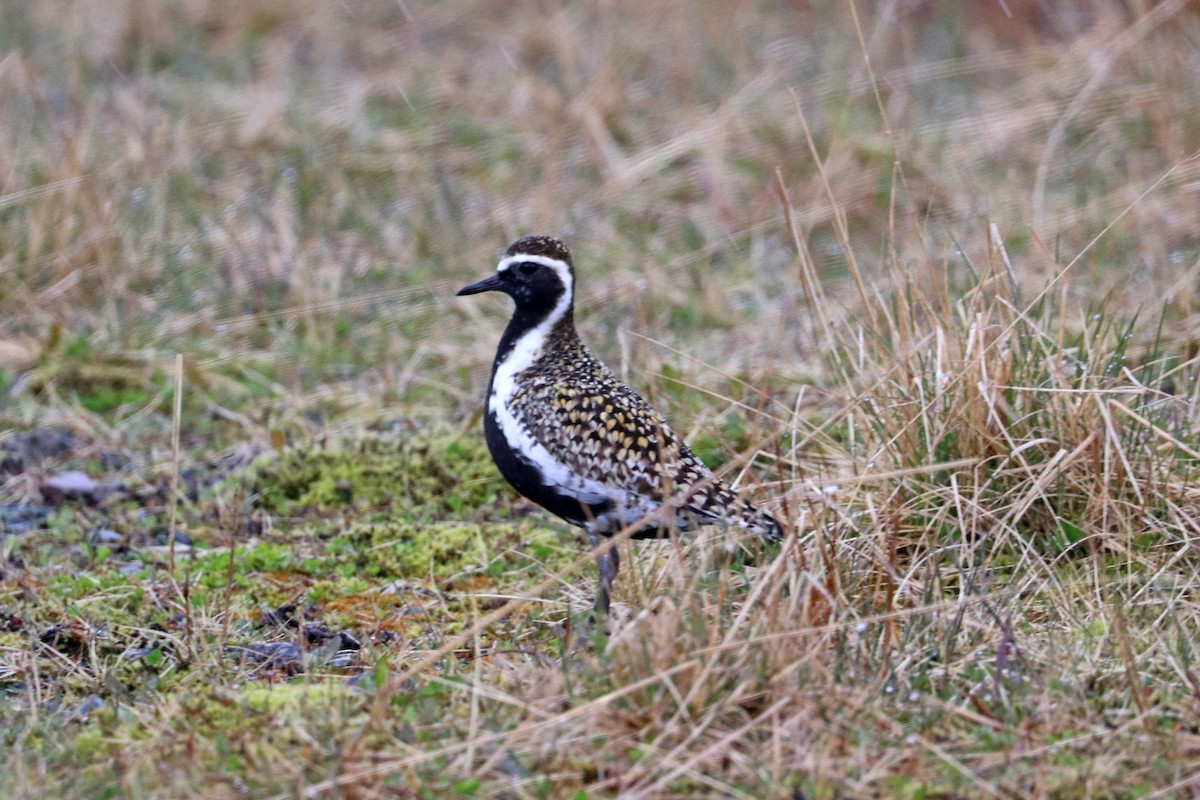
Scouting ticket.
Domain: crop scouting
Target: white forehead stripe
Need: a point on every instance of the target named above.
(555, 264)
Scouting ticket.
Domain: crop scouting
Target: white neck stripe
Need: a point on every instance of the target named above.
(525, 352)
(528, 348)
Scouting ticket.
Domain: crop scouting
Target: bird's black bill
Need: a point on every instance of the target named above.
(492, 284)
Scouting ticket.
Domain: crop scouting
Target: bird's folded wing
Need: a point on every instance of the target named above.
(615, 438)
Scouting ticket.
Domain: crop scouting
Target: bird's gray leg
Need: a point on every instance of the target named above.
(608, 564)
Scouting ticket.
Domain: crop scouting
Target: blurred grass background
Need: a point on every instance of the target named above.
(931, 266)
(287, 192)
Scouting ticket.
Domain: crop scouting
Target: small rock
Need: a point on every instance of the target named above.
(331, 654)
(104, 536)
(21, 517)
(163, 538)
(404, 587)
(280, 617)
(73, 484)
(71, 635)
(90, 704)
(318, 635)
(51, 635)
(134, 653)
(270, 654)
(26, 448)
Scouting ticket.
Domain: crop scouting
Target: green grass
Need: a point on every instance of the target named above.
(920, 277)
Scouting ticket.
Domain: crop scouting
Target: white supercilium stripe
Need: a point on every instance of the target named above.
(555, 264)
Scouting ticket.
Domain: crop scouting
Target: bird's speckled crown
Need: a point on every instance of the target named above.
(546, 246)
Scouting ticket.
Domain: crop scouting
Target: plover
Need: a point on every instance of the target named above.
(571, 437)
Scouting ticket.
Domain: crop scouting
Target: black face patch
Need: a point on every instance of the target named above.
(535, 288)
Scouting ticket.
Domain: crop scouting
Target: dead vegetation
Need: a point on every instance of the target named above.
(921, 275)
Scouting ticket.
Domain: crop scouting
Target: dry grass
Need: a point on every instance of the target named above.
(924, 272)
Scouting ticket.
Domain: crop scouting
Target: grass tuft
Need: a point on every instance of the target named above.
(919, 278)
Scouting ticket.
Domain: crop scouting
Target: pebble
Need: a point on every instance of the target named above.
(104, 536)
(73, 484)
(271, 654)
(90, 704)
(163, 538)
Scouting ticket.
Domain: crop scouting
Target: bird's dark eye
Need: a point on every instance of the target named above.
(528, 268)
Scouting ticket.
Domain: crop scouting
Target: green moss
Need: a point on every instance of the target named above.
(88, 744)
(365, 555)
(444, 549)
(294, 700)
(413, 476)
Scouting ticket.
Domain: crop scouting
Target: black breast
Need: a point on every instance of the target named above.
(526, 478)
